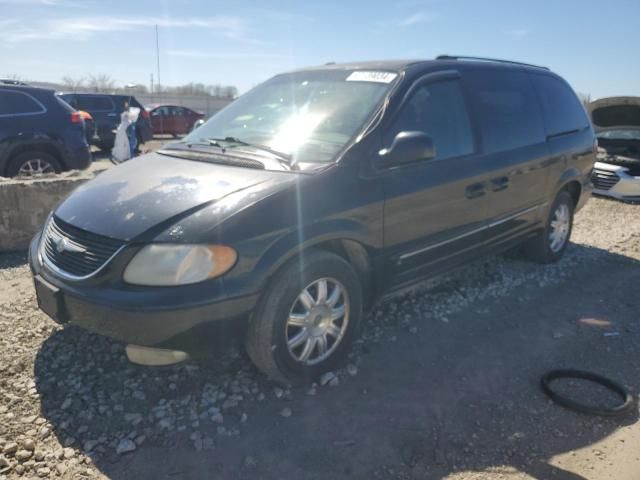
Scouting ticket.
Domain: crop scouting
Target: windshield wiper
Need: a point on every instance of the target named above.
(236, 141)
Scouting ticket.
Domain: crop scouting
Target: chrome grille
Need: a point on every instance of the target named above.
(76, 252)
(604, 179)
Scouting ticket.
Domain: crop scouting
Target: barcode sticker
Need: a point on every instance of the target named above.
(379, 77)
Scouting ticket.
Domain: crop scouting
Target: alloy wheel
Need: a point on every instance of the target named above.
(317, 321)
(35, 166)
(560, 225)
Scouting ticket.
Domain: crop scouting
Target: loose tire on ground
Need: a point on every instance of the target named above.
(539, 248)
(20, 161)
(272, 341)
(627, 400)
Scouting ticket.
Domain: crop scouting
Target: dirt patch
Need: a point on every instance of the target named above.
(443, 384)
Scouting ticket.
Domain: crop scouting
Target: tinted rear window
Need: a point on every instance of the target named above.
(562, 110)
(96, 104)
(18, 103)
(507, 110)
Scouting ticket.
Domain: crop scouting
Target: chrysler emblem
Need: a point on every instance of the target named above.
(64, 245)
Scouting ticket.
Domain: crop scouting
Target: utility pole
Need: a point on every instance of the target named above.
(151, 89)
(158, 59)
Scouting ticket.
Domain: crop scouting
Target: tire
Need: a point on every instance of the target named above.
(541, 248)
(270, 332)
(36, 162)
(625, 406)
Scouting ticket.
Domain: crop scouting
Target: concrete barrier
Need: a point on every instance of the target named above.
(25, 205)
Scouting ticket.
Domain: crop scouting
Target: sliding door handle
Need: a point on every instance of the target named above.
(475, 190)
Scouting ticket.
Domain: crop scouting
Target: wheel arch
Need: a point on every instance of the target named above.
(48, 148)
(571, 181)
(353, 250)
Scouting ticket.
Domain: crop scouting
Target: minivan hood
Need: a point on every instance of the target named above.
(126, 201)
(615, 112)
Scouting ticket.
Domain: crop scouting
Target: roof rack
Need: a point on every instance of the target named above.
(484, 59)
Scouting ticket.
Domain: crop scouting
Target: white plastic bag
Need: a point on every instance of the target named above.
(121, 149)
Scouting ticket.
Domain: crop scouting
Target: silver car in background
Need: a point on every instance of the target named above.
(617, 124)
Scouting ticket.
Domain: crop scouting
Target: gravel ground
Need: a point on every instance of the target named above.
(443, 384)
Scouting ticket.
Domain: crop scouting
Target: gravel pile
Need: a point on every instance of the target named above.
(69, 398)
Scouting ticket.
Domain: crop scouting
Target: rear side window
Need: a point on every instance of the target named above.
(64, 104)
(18, 103)
(136, 103)
(95, 104)
(507, 110)
(160, 112)
(70, 99)
(437, 109)
(563, 112)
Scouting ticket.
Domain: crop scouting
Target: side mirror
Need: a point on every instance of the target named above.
(408, 147)
(197, 124)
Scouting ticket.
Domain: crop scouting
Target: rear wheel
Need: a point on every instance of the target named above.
(307, 319)
(32, 164)
(551, 243)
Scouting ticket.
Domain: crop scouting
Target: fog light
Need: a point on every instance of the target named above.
(154, 357)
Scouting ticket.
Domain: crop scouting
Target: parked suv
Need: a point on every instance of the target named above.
(39, 133)
(301, 203)
(106, 110)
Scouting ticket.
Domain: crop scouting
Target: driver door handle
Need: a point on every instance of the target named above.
(499, 183)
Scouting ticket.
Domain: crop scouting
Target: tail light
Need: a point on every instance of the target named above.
(76, 117)
(145, 114)
(85, 115)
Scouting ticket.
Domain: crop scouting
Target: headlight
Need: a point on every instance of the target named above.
(170, 264)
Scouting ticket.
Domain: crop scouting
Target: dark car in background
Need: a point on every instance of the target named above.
(39, 133)
(106, 110)
(172, 119)
(297, 206)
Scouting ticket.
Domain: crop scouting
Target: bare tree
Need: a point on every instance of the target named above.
(585, 98)
(101, 82)
(72, 84)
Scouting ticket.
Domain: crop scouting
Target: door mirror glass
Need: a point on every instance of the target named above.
(408, 147)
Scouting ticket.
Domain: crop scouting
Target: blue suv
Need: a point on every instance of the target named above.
(39, 133)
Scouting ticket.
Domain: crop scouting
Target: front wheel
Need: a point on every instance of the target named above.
(307, 319)
(549, 246)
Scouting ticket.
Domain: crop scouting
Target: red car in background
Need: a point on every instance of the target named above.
(172, 119)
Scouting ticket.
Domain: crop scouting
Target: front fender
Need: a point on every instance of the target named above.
(295, 242)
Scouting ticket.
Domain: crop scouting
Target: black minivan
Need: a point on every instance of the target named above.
(297, 206)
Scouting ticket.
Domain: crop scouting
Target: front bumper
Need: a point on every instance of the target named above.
(155, 317)
(615, 181)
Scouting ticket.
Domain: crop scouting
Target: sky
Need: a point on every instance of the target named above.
(594, 45)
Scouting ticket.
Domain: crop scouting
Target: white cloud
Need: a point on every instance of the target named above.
(418, 17)
(84, 27)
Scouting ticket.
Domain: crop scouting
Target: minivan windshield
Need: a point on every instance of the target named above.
(308, 116)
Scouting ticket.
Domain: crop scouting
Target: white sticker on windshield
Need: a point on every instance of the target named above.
(379, 77)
